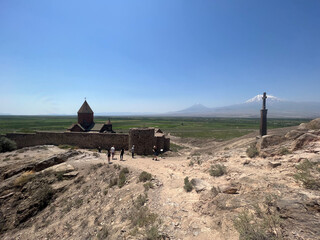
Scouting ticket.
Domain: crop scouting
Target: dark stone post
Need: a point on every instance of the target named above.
(263, 119)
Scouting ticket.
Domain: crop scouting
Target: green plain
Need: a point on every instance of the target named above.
(218, 128)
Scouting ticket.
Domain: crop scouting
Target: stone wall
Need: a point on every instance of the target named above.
(142, 139)
(82, 140)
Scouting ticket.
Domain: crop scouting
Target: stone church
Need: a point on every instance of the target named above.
(86, 124)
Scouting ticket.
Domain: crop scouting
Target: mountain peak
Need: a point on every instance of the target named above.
(195, 108)
(258, 98)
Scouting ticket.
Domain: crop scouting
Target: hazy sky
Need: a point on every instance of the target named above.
(155, 56)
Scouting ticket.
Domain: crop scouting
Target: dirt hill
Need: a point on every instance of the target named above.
(51, 193)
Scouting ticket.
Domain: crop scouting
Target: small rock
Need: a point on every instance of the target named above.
(274, 164)
(71, 174)
(246, 162)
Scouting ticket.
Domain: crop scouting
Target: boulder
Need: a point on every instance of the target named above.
(302, 216)
(274, 164)
(294, 134)
(314, 124)
(303, 126)
(71, 174)
(269, 140)
(304, 140)
(229, 188)
(63, 167)
(199, 184)
(60, 158)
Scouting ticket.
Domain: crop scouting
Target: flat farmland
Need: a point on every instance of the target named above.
(217, 128)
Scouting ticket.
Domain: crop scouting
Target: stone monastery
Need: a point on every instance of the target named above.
(87, 134)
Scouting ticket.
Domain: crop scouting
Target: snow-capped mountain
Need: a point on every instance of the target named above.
(277, 108)
(258, 98)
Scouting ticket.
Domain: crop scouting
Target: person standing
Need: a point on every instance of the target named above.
(112, 152)
(109, 154)
(132, 151)
(121, 154)
(155, 153)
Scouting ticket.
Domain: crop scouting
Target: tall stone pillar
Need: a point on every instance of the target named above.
(263, 117)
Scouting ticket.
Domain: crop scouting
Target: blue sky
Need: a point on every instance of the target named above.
(155, 56)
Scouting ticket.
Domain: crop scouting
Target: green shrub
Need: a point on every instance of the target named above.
(141, 200)
(187, 185)
(152, 233)
(122, 177)
(217, 170)
(145, 176)
(7, 145)
(148, 185)
(103, 234)
(44, 194)
(252, 151)
(263, 224)
(284, 151)
(140, 215)
(175, 147)
(306, 173)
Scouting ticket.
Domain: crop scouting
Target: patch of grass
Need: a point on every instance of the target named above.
(103, 234)
(252, 151)
(147, 186)
(308, 174)
(7, 145)
(105, 192)
(141, 200)
(145, 176)
(187, 185)
(152, 233)
(284, 151)
(260, 225)
(191, 163)
(24, 178)
(44, 195)
(218, 170)
(113, 182)
(96, 166)
(122, 177)
(140, 216)
(175, 147)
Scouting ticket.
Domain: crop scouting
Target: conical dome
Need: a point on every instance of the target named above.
(85, 108)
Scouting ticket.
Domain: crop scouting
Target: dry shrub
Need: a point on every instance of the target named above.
(187, 185)
(252, 151)
(145, 176)
(7, 145)
(218, 170)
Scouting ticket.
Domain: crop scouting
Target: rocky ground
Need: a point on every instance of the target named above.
(51, 193)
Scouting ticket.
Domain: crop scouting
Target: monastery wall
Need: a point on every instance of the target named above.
(143, 139)
(82, 140)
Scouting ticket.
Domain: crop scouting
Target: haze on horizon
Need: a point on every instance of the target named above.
(155, 56)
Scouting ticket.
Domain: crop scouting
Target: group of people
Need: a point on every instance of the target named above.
(112, 150)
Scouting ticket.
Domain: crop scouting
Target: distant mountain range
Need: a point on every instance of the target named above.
(277, 108)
